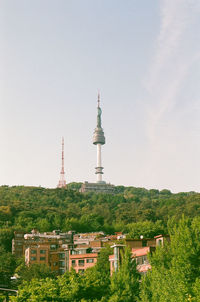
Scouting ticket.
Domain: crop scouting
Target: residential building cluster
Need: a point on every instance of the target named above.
(62, 251)
(140, 248)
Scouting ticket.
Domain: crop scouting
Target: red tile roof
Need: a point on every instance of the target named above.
(140, 252)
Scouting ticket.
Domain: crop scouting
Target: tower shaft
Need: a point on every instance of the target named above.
(99, 168)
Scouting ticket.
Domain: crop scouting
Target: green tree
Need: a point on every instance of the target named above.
(148, 229)
(175, 267)
(7, 267)
(38, 290)
(71, 286)
(97, 278)
(6, 235)
(43, 225)
(125, 282)
(92, 286)
(34, 271)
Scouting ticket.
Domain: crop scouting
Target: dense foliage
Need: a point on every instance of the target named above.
(93, 285)
(131, 210)
(124, 285)
(175, 274)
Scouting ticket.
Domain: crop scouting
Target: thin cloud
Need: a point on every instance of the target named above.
(171, 64)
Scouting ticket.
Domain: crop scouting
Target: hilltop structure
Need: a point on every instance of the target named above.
(99, 140)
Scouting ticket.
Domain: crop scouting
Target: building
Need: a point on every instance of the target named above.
(140, 248)
(97, 188)
(98, 140)
(64, 251)
(161, 239)
(140, 255)
(82, 258)
(139, 243)
(60, 251)
(18, 243)
(44, 248)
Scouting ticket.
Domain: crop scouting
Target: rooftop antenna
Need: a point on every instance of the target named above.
(62, 181)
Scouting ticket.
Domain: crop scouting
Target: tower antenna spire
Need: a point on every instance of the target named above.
(98, 101)
(62, 181)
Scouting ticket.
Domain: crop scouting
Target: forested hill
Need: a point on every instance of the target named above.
(130, 211)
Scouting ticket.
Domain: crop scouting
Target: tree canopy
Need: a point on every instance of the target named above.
(131, 210)
(175, 274)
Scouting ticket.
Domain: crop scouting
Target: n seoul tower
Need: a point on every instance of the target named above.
(99, 186)
(99, 140)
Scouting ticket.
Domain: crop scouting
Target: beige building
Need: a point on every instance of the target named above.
(43, 248)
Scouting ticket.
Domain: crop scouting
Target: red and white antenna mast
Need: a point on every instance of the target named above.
(62, 181)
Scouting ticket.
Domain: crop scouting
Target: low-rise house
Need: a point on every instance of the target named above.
(140, 248)
(141, 257)
(80, 262)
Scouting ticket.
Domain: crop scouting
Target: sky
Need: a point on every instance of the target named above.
(144, 59)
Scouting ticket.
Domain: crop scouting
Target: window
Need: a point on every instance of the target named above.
(81, 262)
(61, 270)
(142, 260)
(33, 258)
(33, 252)
(53, 246)
(62, 256)
(139, 260)
(145, 260)
(73, 262)
(42, 258)
(55, 263)
(81, 252)
(74, 252)
(160, 242)
(42, 251)
(62, 263)
(144, 243)
(90, 260)
(78, 252)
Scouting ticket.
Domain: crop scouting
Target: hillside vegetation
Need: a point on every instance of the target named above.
(134, 211)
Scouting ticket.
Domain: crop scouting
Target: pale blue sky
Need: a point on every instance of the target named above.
(143, 56)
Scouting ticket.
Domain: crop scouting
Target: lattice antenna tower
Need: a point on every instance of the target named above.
(62, 181)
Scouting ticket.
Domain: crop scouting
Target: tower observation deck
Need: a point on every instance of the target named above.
(99, 140)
